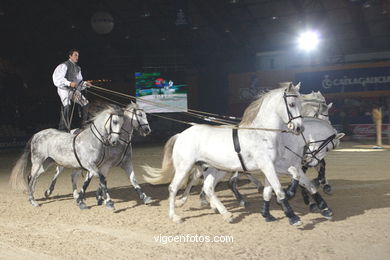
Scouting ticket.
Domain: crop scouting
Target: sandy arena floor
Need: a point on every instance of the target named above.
(58, 229)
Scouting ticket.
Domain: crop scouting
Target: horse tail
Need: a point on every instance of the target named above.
(165, 174)
(20, 172)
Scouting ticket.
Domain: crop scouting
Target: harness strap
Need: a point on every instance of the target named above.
(102, 159)
(75, 153)
(124, 152)
(237, 148)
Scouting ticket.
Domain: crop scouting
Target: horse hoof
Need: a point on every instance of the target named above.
(148, 200)
(327, 189)
(295, 221)
(228, 217)
(314, 208)
(100, 202)
(110, 205)
(204, 203)
(327, 213)
(177, 219)
(269, 218)
(34, 203)
(47, 194)
(243, 203)
(83, 206)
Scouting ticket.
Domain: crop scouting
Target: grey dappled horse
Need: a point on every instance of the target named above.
(119, 155)
(83, 150)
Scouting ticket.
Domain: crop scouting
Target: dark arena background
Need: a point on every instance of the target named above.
(197, 61)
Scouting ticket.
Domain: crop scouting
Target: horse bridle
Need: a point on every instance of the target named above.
(307, 151)
(324, 143)
(319, 109)
(290, 116)
(99, 136)
(131, 123)
(137, 118)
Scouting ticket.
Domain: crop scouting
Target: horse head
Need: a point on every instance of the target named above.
(138, 119)
(290, 112)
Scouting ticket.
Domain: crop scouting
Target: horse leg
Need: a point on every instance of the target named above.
(269, 172)
(81, 196)
(75, 174)
(104, 189)
(254, 180)
(208, 188)
(218, 176)
(180, 174)
(38, 167)
(267, 195)
(321, 179)
(184, 197)
(321, 204)
(292, 188)
(50, 190)
(128, 168)
(233, 184)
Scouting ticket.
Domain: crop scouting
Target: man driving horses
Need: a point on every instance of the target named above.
(69, 82)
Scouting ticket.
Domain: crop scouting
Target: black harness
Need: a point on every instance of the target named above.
(237, 148)
(129, 134)
(324, 143)
(307, 151)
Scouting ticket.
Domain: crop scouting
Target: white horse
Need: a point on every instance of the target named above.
(119, 155)
(67, 150)
(318, 138)
(215, 147)
(313, 106)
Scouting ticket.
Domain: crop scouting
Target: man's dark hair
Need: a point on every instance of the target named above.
(70, 53)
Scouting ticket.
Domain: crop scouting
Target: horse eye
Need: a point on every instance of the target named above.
(114, 122)
(292, 104)
(327, 149)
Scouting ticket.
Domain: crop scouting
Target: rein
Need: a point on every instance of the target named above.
(128, 142)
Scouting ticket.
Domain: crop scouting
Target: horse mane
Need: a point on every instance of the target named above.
(315, 97)
(109, 109)
(252, 110)
(130, 106)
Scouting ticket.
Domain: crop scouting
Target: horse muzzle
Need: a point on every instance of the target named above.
(309, 161)
(295, 128)
(113, 140)
(146, 130)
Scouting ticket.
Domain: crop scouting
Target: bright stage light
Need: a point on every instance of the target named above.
(308, 40)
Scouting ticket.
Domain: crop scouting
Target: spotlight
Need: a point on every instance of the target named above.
(308, 40)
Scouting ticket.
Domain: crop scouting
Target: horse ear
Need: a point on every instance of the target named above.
(298, 86)
(330, 105)
(290, 86)
(339, 136)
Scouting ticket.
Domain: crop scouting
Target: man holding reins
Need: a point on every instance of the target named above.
(69, 82)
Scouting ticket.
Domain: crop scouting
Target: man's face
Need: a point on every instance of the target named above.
(74, 57)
